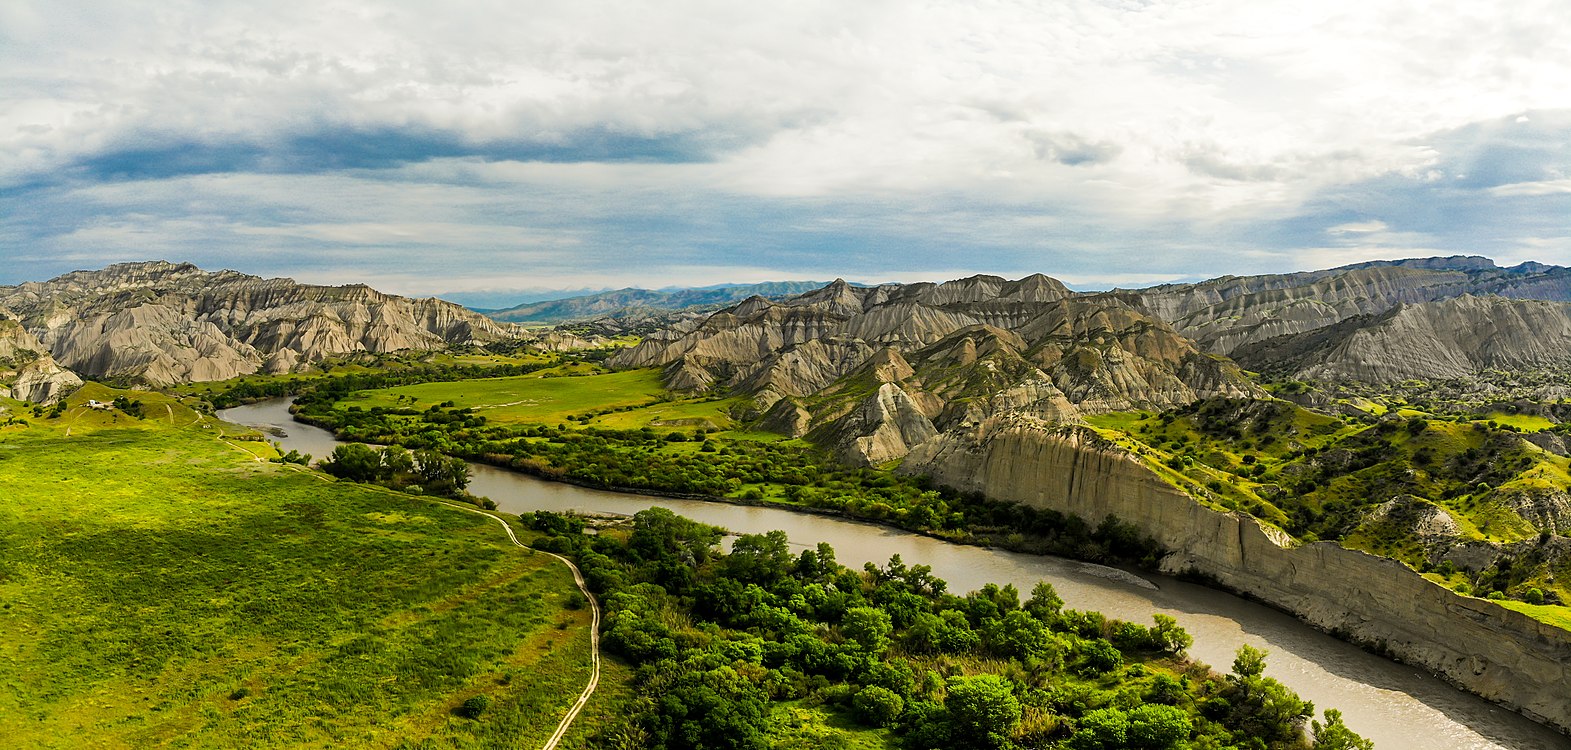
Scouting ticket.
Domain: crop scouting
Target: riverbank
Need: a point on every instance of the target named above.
(1499, 654)
(1382, 700)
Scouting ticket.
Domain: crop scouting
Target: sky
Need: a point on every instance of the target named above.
(483, 151)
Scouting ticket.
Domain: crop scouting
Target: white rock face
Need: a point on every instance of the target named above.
(1456, 338)
(1226, 313)
(884, 428)
(1500, 654)
(163, 323)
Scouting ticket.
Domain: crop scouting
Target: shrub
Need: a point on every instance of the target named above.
(472, 707)
(877, 706)
(1533, 596)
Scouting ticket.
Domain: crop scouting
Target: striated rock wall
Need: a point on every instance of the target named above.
(1501, 655)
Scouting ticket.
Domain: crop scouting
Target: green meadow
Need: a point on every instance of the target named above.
(575, 393)
(162, 585)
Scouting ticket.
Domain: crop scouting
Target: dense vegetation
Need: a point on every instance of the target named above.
(724, 643)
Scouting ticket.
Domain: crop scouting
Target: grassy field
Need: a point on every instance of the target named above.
(527, 398)
(1554, 615)
(1523, 422)
(796, 727)
(616, 400)
(161, 586)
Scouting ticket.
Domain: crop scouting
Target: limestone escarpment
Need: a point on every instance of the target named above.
(1456, 338)
(874, 370)
(1500, 654)
(163, 323)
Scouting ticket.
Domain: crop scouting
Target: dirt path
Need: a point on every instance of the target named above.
(578, 579)
(594, 628)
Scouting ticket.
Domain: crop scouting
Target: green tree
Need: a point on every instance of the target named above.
(759, 558)
(1102, 729)
(443, 475)
(869, 627)
(1100, 656)
(1158, 727)
(1168, 637)
(1249, 661)
(877, 706)
(355, 461)
(1045, 603)
(1334, 735)
(1019, 635)
(473, 706)
(983, 709)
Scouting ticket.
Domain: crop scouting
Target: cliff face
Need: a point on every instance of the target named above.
(162, 323)
(1451, 339)
(1499, 654)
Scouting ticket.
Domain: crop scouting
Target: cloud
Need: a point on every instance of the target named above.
(1104, 141)
(1358, 227)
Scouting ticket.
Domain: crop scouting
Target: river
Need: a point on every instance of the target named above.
(1397, 706)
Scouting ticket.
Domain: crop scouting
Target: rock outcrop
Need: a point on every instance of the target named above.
(27, 371)
(1228, 312)
(1456, 338)
(876, 370)
(1499, 654)
(161, 323)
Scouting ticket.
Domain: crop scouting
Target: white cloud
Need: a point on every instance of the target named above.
(1358, 227)
(1540, 187)
(1079, 127)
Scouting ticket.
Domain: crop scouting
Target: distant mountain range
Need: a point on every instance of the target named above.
(628, 303)
(1438, 318)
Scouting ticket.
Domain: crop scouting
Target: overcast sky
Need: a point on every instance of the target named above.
(472, 147)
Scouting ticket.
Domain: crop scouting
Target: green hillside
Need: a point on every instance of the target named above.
(161, 584)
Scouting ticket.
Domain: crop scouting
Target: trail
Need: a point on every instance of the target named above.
(583, 587)
(594, 627)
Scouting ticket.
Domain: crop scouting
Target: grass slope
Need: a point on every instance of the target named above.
(161, 587)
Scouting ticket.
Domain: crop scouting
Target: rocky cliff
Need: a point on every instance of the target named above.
(162, 323)
(1456, 338)
(1228, 312)
(874, 370)
(1499, 654)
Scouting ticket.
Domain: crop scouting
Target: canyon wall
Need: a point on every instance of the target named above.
(1499, 654)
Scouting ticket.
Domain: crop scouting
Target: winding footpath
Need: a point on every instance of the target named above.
(578, 578)
(594, 627)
